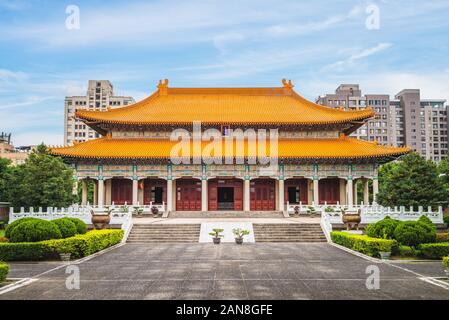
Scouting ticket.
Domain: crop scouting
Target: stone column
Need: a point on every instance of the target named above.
(135, 191)
(100, 200)
(246, 195)
(375, 188)
(316, 192)
(204, 195)
(169, 195)
(356, 183)
(281, 195)
(342, 191)
(349, 192)
(84, 192)
(365, 191)
(95, 192)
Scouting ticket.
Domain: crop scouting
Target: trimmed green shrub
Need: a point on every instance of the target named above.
(4, 269)
(446, 262)
(442, 237)
(434, 250)
(79, 246)
(25, 251)
(66, 226)
(426, 220)
(15, 223)
(406, 251)
(81, 227)
(35, 230)
(413, 233)
(383, 229)
(364, 244)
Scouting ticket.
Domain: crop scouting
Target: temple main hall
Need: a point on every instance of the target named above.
(316, 160)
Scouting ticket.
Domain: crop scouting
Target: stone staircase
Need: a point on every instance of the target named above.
(288, 232)
(157, 233)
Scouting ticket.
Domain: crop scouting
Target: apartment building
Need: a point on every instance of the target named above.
(100, 96)
(406, 120)
(349, 97)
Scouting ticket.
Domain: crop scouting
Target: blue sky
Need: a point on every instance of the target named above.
(317, 44)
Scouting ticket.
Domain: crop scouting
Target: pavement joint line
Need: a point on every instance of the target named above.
(388, 262)
(38, 276)
(436, 282)
(18, 284)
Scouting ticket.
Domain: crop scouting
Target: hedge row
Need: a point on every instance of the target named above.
(434, 250)
(364, 244)
(79, 246)
(4, 269)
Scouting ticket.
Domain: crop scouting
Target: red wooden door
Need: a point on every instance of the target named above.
(329, 191)
(121, 191)
(262, 195)
(188, 195)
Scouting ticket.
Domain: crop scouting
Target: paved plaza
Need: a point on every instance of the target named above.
(228, 271)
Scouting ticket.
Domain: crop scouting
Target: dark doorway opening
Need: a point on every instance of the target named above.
(225, 197)
(293, 194)
(157, 194)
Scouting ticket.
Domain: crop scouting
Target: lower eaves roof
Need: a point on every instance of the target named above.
(132, 148)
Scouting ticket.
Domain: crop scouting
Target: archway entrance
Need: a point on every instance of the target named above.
(296, 191)
(262, 195)
(225, 194)
(154, 191)
(188, 194)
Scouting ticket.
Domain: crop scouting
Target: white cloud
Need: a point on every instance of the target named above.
(341, 64)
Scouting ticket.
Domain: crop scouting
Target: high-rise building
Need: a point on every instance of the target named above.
(349, 97)
(100, 96)
(421, 124)
(406, 120)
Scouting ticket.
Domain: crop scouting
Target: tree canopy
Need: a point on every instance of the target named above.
(42, 181)
(411, 181)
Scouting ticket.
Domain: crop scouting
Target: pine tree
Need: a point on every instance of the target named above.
(412, 181)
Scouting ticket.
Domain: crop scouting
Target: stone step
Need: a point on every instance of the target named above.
(154, 233)
(292, 232)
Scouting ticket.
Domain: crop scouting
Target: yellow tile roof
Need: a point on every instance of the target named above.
(280, 105)
(338, 148)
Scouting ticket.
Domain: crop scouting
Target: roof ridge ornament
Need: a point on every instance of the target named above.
(162, 87)
(287, 85)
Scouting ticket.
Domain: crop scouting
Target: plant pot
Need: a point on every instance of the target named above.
(385, 255)
(65, 256)
(100, 221)
(216, 240)
(239, 240)
(447, 274)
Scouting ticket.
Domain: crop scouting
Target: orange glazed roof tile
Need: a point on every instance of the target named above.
(338, 148)
(280, 105)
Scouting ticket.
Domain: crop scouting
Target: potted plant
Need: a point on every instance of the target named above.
(311, 210)
(138, 211)
(297, 210)
(216, 235)
(239, 233)
(101, 220)
(64, 251)
(154, 210)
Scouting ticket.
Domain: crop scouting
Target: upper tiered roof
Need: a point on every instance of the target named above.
(233, 106)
